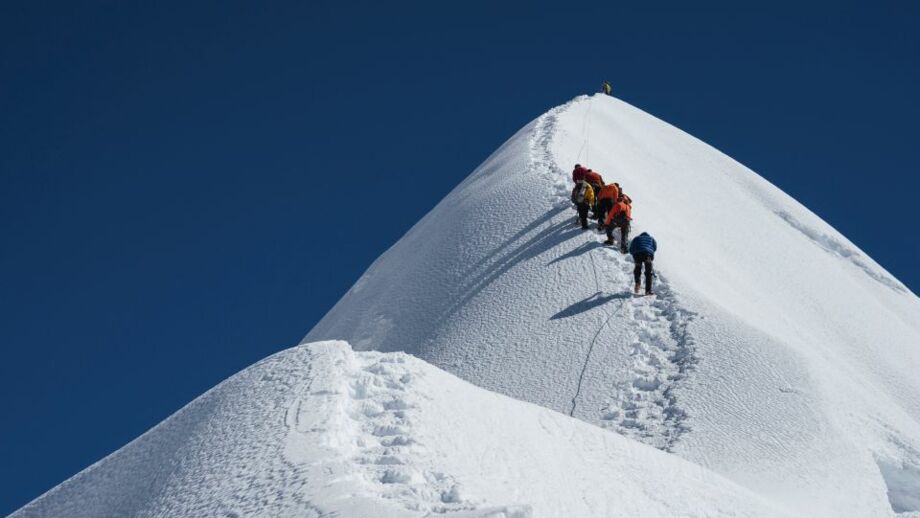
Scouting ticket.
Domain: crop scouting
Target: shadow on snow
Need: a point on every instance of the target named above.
(596, 300)
(579, 250)
(507, 256)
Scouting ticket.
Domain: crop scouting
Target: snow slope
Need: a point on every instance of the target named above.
(319, 430)
(775, 353)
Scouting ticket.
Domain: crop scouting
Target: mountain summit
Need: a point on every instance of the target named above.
(774, 372)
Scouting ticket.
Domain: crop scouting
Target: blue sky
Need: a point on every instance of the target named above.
(186, 189)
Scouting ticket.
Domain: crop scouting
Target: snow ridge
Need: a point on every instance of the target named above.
(542, 159)
(354, 430)
(833, 246)
(390, 453)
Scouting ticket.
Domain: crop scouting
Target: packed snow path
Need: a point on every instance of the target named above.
(644, 406)
(642, 402)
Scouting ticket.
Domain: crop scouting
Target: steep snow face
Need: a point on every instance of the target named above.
(319, 430)
(775, 352)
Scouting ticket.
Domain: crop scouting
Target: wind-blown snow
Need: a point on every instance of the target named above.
(775, 352)
(321, 431)
(776, 367)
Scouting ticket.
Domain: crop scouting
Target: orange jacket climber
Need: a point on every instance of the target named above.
(606, 197)
(621, 207)
(619, 216)
(611, 191)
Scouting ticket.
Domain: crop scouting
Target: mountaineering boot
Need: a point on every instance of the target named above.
(636, 289)
(647, 292)
(608, 242)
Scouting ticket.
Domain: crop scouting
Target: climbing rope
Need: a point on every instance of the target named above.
(584, 132)
(584, 368)
(597, 283)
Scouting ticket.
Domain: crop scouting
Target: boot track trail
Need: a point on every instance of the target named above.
(642, 398)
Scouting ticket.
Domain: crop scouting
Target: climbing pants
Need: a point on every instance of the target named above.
(624, 232)
(643, 259)
(603, 207)
(583, 214)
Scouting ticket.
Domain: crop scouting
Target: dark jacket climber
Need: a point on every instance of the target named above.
(607, 88)
(643, 248)
(643, 244)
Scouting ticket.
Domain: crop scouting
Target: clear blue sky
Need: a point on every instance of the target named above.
(186, 189)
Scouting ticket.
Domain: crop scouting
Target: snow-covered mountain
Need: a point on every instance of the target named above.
(776, 353)
(778, 366)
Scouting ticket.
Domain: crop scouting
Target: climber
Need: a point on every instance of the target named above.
(594, 178)
(643, 249)
(606, 197)
(619, 216)
(583, 198)
(578, 174)
(597, 181)
(607, 88)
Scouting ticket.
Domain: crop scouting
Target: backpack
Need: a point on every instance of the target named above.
(578, 196)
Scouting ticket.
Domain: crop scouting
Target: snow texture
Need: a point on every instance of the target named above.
(775, 369)
(319, 430)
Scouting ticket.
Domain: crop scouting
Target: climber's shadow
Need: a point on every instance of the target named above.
(598, 299)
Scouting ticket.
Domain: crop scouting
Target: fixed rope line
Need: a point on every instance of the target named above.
(597, 284)
(584, 132)
(584, 368)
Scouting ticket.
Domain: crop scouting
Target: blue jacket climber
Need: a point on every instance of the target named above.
(643, 249)
(643, 244)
